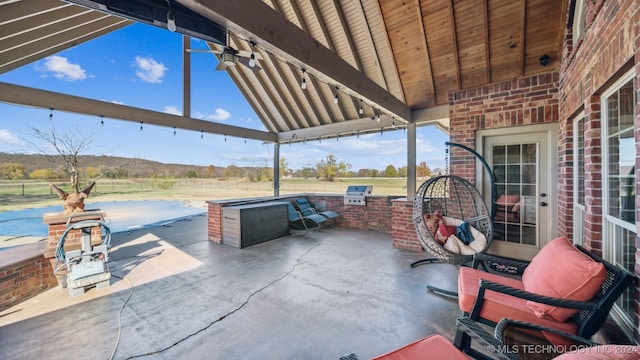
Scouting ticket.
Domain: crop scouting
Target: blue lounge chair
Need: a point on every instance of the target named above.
(304, 222)
(306, 209)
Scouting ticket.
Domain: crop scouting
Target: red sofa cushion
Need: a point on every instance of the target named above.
(497, 305)
(560, 270)
(431, 347)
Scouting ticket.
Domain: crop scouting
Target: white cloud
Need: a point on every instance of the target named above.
(62, 68)
(172, 110)
(7, 138)
(150, 70)
(220, 115)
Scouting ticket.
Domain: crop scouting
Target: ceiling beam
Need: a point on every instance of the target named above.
(21, 95)
(437, 115)
(257, 21)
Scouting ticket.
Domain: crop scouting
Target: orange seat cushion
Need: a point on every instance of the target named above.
(431, 347)
(497, 305)
(562, 271)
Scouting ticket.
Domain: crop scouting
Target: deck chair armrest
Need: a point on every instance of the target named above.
(489, 341)
(499, 331)
(482, 259)
(522, 294)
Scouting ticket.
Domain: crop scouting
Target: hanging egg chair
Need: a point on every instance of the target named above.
(451, 218)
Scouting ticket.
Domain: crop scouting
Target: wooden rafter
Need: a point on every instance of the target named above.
(523, 35)
(426, 49)
(487, 47)
(454, 43)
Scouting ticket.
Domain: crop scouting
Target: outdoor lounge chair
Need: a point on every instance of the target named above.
(564, 287)
(511, 340)
(304, 222)
(307, 209)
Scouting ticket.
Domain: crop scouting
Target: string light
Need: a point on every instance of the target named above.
(174, 131)
(337, 137)
(201, 134)
(361, 110)
(141, 123)
(225, 137)
(171, 20)
(335, 96)
(303, 84)
(101, 120)
(51, 114)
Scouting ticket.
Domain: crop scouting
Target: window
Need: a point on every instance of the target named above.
(579, 20)
(619, 154)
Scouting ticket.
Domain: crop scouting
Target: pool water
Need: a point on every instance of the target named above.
(119, 215)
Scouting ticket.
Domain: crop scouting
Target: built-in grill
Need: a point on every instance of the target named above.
(356, 194)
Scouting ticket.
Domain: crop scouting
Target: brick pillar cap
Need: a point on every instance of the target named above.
(62, 217)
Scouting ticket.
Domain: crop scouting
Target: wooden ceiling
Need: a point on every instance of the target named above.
(399, 59)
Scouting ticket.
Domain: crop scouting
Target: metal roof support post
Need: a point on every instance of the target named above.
(411, 161)
(276, 169)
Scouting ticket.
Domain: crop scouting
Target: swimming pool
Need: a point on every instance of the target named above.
(120, 216)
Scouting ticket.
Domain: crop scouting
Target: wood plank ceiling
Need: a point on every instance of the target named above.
(399, 59)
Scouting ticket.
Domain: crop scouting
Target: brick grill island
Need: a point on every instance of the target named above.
(381, 213)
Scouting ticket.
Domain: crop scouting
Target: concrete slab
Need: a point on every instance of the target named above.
(176, 295)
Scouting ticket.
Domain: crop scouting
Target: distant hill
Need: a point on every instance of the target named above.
(133, 167)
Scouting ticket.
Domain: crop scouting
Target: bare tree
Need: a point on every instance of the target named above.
(68, 147)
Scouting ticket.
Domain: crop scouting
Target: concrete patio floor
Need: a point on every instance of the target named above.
(318, 295)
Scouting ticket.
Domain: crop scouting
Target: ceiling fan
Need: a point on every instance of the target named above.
(230, 56)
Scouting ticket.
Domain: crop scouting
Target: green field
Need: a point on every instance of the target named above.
(23, 194)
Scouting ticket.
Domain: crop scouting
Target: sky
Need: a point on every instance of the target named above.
(141, 66)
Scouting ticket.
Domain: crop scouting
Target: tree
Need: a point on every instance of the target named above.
(306, 172)
(68, 147)
(42, 174)
(330, 167)
(232, 171)
(12, 171)
(402, 171)
(390, 171)
(423, 170)
(191, 174)
(211, 171)
(283, 167)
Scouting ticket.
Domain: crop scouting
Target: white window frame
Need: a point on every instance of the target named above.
(612, 225)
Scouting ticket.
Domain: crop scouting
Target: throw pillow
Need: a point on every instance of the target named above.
(561, 270)
(444, 231)
(463, 232)
(432, 221)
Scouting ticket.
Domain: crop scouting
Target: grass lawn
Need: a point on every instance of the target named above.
(16, 195)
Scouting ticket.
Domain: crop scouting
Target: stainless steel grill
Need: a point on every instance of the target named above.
(357, 194)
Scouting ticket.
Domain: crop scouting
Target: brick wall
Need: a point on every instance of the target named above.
(524, 101)
(380, 214)
(26, 274)
(403, 230)
(609, 48)
(214, 223)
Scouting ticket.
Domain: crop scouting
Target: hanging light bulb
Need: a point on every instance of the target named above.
(337, 137)
(252, 60)
(303, 84)
(361, 110)
(141, 123)
(51, 114)
(393, 123)
(335, 97)
(174, 131)
(101, 120)
(358, 135)
(171, 20)
(225, 137)
(201, 134)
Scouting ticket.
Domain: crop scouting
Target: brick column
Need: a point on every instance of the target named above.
(214, 222)
(403, 230)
